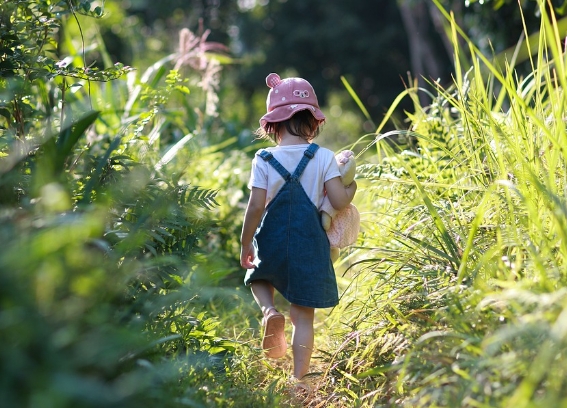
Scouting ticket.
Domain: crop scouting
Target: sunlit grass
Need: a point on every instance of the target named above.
(455, 291)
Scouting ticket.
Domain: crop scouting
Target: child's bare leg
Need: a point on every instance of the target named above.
(263, 293)
(302, 338)
(273, 341)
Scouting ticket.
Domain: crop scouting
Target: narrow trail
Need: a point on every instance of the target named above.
(279, 371)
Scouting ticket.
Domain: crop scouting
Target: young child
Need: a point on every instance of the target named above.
(284, 246)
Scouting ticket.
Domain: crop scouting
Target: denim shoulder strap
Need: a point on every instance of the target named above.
(269, 157)
(307, 155)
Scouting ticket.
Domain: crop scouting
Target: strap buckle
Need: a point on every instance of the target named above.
(310, 152)
(266, 155)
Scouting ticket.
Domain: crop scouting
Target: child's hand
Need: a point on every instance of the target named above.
(247, 256)
(252, 218)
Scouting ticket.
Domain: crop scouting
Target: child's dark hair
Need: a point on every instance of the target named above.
(302, 124)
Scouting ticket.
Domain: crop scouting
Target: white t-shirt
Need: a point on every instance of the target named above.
(321, 168)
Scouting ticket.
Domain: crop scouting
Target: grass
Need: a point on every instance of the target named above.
(455, 293)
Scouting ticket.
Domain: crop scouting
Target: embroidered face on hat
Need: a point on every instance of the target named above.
(288, 96)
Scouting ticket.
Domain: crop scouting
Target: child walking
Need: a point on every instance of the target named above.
(284, 246)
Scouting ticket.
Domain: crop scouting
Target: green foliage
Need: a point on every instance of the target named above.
(455, 294)
(121, 202)
(100, 232)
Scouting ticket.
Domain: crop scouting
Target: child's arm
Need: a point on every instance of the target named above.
(252, 218)
(339, 195)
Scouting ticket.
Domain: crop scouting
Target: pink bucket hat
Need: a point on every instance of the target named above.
(287, 97)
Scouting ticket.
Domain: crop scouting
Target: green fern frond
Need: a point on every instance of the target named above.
(202, 197)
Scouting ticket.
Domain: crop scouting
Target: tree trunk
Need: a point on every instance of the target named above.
(424, 63)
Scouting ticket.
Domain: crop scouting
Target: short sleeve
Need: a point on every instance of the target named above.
(331, 167)
(259, 173)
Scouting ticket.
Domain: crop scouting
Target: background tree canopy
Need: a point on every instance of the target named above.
(323, 40)
(377, 45)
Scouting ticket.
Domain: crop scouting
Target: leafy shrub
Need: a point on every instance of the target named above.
(99, 237)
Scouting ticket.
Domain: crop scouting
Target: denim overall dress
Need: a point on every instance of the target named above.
(292, 246)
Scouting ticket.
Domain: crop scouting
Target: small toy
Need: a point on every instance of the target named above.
(342, 226)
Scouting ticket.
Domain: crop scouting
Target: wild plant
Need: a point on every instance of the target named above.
(98, 233)
(456, 291)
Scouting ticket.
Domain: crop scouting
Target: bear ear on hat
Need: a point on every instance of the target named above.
(273, 80)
